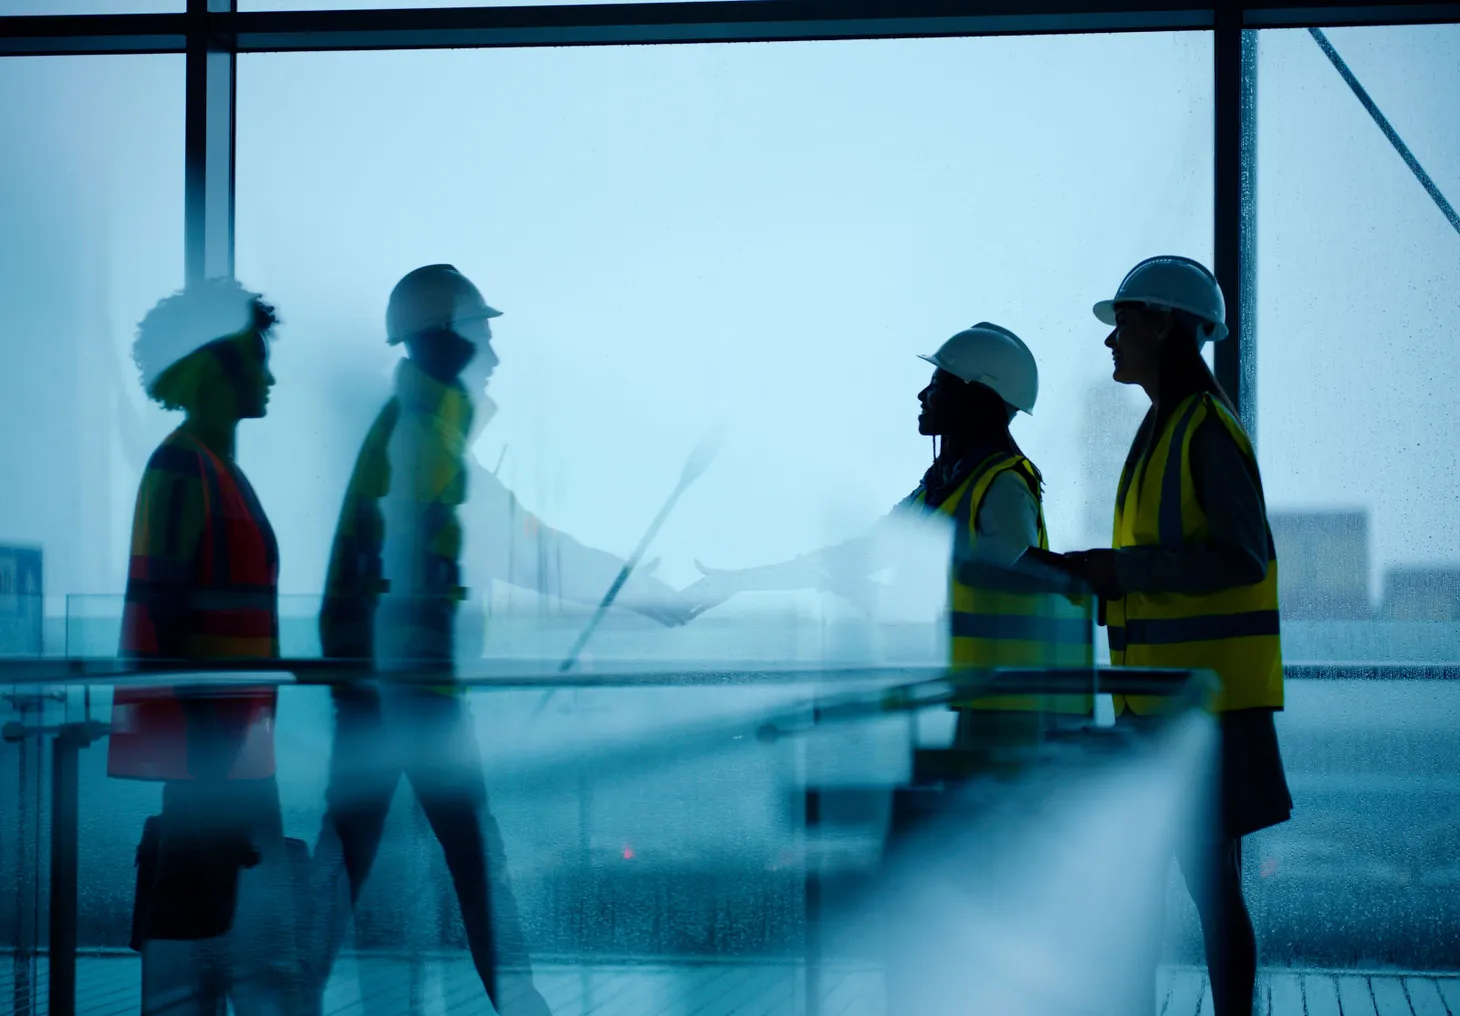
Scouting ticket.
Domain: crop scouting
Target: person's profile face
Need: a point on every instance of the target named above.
(1135, 344)
(936, 401)
(244, 364)
(472, 324)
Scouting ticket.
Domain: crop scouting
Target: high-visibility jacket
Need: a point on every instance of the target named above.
(1233, 632)
(991, 627)
(202, 584)
(409, 507)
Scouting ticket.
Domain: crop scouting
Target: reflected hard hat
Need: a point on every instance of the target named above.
(994, 357)
(434, 296)
(1173, 283)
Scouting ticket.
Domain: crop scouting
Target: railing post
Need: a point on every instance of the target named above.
(813, 889)
(65, 795)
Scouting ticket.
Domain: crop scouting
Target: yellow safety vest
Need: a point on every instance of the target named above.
(1233, 632)
(991, 627)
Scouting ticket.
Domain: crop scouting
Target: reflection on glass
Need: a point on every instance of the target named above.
(91, 196)
(679, 236)
(763, 235)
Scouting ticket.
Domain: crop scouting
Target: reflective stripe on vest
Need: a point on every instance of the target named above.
(1234, 632)
(991, 627)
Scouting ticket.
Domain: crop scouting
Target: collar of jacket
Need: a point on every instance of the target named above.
(447, 405)
(940, 481)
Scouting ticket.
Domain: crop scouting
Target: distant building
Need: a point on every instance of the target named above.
(1323, 564)
(1422, 594)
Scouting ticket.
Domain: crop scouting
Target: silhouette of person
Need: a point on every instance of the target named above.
(983, 484)
(1191, 581)
(392, 598)
(202, 585)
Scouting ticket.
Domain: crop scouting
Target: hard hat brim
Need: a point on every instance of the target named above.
(933, 359)
(1105, 312)
(488, 312)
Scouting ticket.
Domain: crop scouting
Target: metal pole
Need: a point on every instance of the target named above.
(813, 902)
(1247, 239)
(811, 861)
(65, 794)
(1431, 188)
(208, 144)
(1227, 196)
(22, 994)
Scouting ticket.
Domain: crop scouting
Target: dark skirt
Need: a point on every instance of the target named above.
(1254, 787)
(1251, 788)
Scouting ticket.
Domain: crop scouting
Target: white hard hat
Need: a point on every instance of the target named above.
(1175, 283)
(433, 296)
(994, 357)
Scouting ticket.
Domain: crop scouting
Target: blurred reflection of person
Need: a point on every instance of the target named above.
(202, 585)
(1191, 582)
(983, 483)
(416, 510)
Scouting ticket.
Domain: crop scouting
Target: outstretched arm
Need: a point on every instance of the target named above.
(843, 568)
(509, 543)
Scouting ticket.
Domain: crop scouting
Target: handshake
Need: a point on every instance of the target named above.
(672, 607)
(661, 602)
(1092, 569)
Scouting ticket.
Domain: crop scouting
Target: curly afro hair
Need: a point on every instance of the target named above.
(175, 331)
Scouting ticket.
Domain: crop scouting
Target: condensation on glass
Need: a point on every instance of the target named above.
(1358, 300)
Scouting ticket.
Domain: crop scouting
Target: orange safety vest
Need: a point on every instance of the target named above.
(219, 603)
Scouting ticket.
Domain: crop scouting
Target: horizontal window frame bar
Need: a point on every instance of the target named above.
(17, 672)
(651, 23)
(95, 34)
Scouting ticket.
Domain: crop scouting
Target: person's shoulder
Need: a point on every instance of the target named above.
(177, 455)
(1022, 480)
(1217, 426)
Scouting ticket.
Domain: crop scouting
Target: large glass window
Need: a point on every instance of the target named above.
(764, 235)
(91, 199)
(1358, 273)
(761, 234)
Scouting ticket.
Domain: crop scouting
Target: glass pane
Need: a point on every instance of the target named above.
(1357, 276)
(765, 235)
(611, 847)
(91, 206)
(1357, 280)
(91, 196)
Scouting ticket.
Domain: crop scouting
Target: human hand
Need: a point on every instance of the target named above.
(715, 586)
(1096, 567)
(656, 600)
